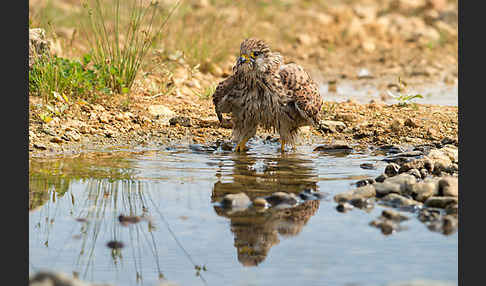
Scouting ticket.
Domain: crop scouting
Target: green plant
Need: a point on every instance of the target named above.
(207, 92)
(51, 76)
(119, 47)
(403, 98)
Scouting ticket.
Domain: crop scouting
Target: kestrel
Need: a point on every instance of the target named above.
(263, 91)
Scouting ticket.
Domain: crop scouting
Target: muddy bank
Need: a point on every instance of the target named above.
(171, 122)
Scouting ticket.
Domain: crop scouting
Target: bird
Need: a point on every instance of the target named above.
(264, 91)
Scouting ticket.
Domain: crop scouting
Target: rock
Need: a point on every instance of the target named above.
(451, 151)
(396, 125)
(385, 188)
(364, 74)
(115, 244)
(402, 158)
(411, 123)
(397, 200)
(449, 224)
(448, 187)
(386, 226)
(415, 173)
(420, 163)
(38, 45)
(360, 203)
(240, 200)
(392, 169)
(439, 156)
(57, 279)
(391, 149)
(397, 184)
(424, 173)
(105, 118)
(40, 146)
(365, 182)
(368, 46)
(56, 139)
(364, 192)
(330, 126)
(367, 166)
(428, 215)
(72, 136)
(334, 148)
(423, 190)
(282, 198)
(393, 215)
(160, 110)
(344, 207)
(440, 202)
(452, 209)
(260, 202)
(381, 178)
(181, 120)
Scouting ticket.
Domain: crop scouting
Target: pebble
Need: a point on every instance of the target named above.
(415, 173)
(428, 215)
(181, 120)
(365, 182)
(448, 187)
(392, 169)
(126, 220)
(344, 207)
(56, 140)
(393, 215)
(330, 126)
(40, 146)
(449, 224)
(398, 184)
(368, 166)
(334, 148)
(240, 200)
(381, 178)
(411, 123)
(115, 244)
(282, 198)
(260, 202)
(440, 202)
(386, 226)
(397, 200)
(360, 203)
(425, 189)
(365, 192)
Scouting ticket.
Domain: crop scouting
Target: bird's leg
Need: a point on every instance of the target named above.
(282, 145)
(241, 146)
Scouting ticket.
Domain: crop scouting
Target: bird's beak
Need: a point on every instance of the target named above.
(243, 59)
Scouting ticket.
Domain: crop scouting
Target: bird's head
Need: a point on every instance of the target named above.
(256, 57)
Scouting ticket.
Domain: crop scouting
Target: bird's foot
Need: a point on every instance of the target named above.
(241, 147)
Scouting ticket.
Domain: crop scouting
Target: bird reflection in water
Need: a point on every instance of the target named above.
(256, 230)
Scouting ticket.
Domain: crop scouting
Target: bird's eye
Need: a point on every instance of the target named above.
(256, 54)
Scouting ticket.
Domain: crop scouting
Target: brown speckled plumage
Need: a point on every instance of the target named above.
(264, 91)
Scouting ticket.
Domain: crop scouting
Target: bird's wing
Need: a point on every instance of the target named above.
(301, 91)
(223, 97)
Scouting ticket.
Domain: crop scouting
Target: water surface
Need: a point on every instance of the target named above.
(188, 239)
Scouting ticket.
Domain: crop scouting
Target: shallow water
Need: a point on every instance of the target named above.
(441, 94)
(178, 189)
